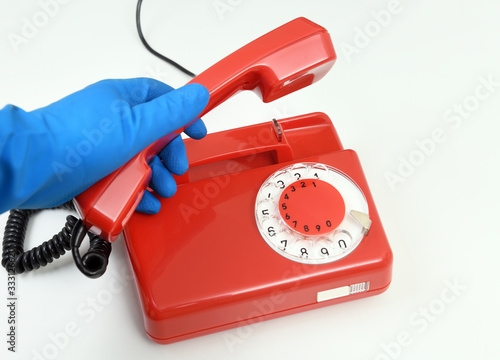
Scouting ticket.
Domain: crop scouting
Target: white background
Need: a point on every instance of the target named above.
(392, 90)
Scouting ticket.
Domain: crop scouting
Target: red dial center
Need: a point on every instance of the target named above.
(311, 207)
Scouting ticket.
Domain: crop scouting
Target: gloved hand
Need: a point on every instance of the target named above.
(50, 155)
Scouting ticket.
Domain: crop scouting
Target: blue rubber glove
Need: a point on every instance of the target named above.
(50, 155)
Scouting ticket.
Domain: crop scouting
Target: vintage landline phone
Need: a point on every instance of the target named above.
(270, 220)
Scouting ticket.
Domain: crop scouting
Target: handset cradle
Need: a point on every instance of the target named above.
(280, 62)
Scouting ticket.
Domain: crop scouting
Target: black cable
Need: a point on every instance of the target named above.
(16, 261)
(95, 261)
(153, 51)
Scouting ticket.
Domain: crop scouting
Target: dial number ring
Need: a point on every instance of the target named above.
(303, 212)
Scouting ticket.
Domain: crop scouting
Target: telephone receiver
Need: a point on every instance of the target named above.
(278, 63)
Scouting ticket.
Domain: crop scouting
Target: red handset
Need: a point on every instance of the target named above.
(282, 61)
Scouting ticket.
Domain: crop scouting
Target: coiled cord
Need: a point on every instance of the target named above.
(16, 261)
(94, 262)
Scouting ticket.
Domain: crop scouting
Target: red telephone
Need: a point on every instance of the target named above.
(270, 220)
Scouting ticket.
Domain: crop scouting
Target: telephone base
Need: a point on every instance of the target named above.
(201, 264)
